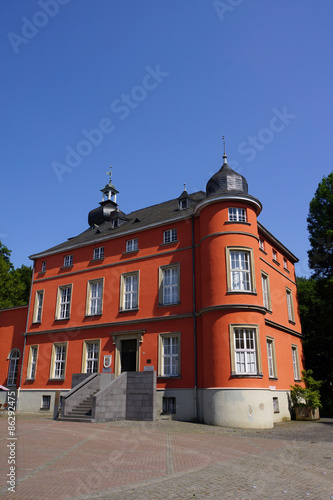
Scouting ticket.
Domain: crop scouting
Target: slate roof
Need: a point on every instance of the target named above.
(139, 219)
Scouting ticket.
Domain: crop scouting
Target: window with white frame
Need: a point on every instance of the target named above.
(240, 274)
(91, 356)
(38, 307)
(285, 264)
(261, 244)
(237, 214)
(266, 290)
(14, 358)
(132, 245)
(170, 235)
(183, 204)
(32, 363)
(43, 269)
(169, 285)
(290, 305)
(94, 297)
(98, 253)
(58, 361)
(274, 253)
(129, 297)
(169, 355)
(294, 353)
(245, 350)
(64, 302)
(271, 357)
(68, 260)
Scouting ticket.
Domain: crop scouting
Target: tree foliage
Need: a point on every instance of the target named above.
(315, 295)
(320, 227)
(308, 395)
(14, 283)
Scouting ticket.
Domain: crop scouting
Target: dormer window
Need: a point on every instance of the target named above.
(237, 214)
(183, 204)
(68, 260)
(115, 223)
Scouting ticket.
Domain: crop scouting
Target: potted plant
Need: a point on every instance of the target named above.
(306, 400)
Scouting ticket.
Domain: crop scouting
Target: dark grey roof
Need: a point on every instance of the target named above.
(136, 220)
(226, 180)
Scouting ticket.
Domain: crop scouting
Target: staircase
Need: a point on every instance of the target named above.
(80, 413)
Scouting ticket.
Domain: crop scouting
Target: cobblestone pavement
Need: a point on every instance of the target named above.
(167, 460)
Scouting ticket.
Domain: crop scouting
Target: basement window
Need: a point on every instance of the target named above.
(169, 405)
(276, 405)
(46, 402)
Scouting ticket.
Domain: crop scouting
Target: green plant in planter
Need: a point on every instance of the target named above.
(308, 396)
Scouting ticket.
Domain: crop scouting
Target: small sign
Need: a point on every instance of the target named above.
(149, 368)
(272, 387)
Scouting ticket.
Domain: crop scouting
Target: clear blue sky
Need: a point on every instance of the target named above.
(163, 81)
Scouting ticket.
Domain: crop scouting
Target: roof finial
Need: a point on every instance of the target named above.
(224, 155)
(184, 186)
(110, 174)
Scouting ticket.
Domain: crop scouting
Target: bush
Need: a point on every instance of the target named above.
(308, 395)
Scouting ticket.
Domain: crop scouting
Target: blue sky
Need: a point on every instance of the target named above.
(150, 87)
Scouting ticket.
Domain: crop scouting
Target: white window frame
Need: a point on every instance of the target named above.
(63, 309)
(247, 355)
(266, 293)
(132, 245)
(169, 363)
(285, 264)
(172, 288)
(244, 277)
(236, 214)
(295, 360)
(170, 235)
(43, 268)
(98, 253)
(32, 362)
(58, 361)
(183, 204)
(290, 305)
(90, 362)
(262, 244)
(38, 306)
(129, 291)
(68, 260)
(94, 303)
(275, 255)
(14, 359)
(271, 359)
(276, 407)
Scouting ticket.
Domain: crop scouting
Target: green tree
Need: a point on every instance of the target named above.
(14, 283)
(320, 227)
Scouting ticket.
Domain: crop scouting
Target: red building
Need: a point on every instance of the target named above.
(194, 288)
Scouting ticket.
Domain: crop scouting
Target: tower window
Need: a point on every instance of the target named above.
(237, 214)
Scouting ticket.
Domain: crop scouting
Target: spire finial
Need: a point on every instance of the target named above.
(110, 174)
(184, 186)
(224, 155)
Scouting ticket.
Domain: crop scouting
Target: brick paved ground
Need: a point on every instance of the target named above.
(167, 460)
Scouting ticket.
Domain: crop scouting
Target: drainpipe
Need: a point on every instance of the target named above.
(25, 335)
(194, 326)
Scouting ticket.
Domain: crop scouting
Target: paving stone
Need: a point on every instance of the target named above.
(136, 460)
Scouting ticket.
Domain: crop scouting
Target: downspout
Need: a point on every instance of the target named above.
(25, 335)
(194, 326)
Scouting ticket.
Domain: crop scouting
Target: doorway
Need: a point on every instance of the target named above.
(128, 355)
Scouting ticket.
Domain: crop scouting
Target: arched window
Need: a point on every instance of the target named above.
(14, 357)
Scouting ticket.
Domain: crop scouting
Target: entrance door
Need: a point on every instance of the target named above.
(128, 355)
